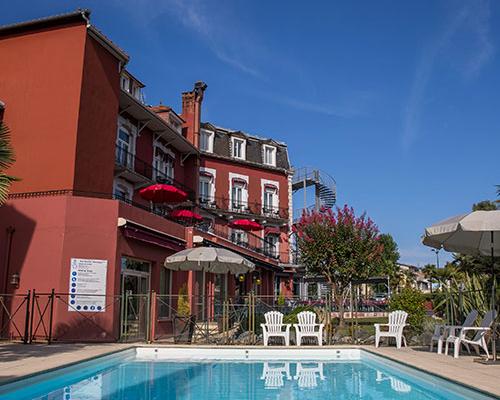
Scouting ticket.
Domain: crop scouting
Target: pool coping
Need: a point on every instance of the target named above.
(435, 374)
(368, 349)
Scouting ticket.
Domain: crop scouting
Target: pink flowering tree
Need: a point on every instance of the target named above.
(340, 246)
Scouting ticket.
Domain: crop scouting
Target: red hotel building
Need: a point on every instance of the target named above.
(86, 143)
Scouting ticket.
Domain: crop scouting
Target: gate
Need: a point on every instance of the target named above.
(135, 318)
(14, 316)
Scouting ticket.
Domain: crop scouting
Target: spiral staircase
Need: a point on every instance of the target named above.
(325, 193)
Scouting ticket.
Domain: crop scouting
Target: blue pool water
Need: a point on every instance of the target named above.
(125, 377)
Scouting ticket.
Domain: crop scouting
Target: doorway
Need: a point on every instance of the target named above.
(135, 283)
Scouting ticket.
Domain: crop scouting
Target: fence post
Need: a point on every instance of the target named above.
(27, 319)
(51, 315)
(32, 316)
(152, 318)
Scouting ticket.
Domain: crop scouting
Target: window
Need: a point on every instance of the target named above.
(207, 141)
(270, 155)
(164, 165)
(206, 189)
(238, 148)
(269, 194)
(239, 195)
(239, 237)
(123, 148)
(271, 243)
(125, 83)
(164, 298)
(270, 200)
(122, 190)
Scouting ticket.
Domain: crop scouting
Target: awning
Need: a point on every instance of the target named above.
(138, 232)
(246, 225)
(272, 230)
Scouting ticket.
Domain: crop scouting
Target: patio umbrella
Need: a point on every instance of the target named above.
(162, 193)
(209, 259)
(246, 225)
(186, 215)
(476, 233)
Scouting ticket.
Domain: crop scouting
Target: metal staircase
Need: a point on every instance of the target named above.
(325, 194)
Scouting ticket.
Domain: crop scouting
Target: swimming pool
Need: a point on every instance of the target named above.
(198, 374)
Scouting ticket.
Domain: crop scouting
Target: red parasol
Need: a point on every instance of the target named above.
(246, 225)
(162, 193)
(185, 215)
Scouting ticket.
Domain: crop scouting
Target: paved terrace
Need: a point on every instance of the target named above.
(17, 360)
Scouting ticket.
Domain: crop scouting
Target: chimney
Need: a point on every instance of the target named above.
(191, 112)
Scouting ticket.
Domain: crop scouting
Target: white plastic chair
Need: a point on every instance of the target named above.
(441, 332)
(274, 327)
(273, 374)
(479, 339)
(307, 327)
(397, 321)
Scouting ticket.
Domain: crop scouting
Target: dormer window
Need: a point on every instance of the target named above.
(207, 141)
(238, 148)
(269, 155)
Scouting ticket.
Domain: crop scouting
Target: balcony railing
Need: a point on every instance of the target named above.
(253, 242)
(253, 208)
(129, 161)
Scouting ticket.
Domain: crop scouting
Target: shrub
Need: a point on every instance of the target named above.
(413, 302)
(291, 318)
(183, 307)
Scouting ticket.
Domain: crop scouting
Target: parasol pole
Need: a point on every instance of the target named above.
(493, 300)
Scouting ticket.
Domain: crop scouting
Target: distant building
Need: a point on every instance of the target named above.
(413, 276)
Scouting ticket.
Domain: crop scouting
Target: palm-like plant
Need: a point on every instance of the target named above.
(6, 160)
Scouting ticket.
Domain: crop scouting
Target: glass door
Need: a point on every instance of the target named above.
(135, 299)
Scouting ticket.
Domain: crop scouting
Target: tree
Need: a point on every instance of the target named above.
(485, 205)
(430, 274)
(339, 246)
(6, 160)
(388, 262)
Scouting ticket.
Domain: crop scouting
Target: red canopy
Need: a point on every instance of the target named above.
(246, 225)
(185, 215)
(162, 193)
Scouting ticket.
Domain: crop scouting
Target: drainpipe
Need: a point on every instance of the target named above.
(8, 250)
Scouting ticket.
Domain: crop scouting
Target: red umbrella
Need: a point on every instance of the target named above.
(185, 215)
(162, 193)
(246, 225)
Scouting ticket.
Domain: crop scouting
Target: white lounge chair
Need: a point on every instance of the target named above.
(397, 321)
(273, 374)
(307, 376)
(274, 327)
(441, 332)
(307, 327)
(479, 339)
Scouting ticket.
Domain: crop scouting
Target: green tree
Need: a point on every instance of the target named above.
(388, 262)
(430, 273)
(339, 246)
(485, 205)
(6, 160)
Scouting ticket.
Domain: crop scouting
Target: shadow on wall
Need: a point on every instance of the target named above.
(16, 233)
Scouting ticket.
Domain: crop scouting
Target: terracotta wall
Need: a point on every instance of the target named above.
(97, 122)
(40, 83)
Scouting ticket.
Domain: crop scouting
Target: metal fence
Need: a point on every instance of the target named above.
(49, 317)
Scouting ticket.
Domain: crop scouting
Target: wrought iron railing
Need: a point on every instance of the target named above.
(247, 240)
(129, 161)
(243, 207)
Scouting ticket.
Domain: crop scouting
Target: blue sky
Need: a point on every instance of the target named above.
(399, 101)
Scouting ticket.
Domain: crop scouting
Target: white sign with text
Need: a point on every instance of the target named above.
(87, 285)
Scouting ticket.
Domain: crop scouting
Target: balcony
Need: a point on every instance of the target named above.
(141, 173)
(251, 241)
(249, 209)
